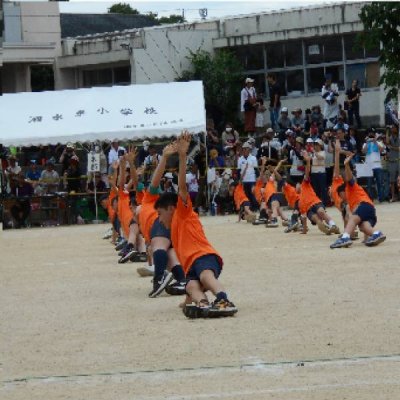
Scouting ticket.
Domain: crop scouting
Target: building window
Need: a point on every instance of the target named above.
(251, 57)
(107, 76)
(275, 56)
(42, 78)
(295, 82)
(315, 79)
(352, 50)
(367, 74)
(293, 53)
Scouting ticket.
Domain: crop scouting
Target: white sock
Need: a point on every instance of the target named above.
(377, 232)
(345, 235)
(331, 222)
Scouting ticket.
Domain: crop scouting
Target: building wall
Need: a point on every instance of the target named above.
(163, 57)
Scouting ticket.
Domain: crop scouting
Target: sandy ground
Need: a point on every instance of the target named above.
(313, 323)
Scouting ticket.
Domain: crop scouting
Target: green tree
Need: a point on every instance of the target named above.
(172, 19)
(222, 76)
(122, 8)
(381, 22)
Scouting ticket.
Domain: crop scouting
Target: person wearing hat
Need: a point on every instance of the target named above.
(66, 155)
(274, 99)
(296, 161)
(248, 105)
(143, 152)
(284, 122)
(318, 172)
(267, 147)
(247, 165)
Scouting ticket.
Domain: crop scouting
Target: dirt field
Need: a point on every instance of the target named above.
(313, 323)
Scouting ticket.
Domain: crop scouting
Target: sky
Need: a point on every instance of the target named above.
(215, 9)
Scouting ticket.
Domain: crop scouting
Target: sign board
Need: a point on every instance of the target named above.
(101, 113)
(93, 164)
(313, 50)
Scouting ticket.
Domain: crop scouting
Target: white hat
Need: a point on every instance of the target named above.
(169, 175)
(146, 143)
(251, 140)
(246, 145)
(249, 80)
(284, 109)
(309, 140)
(319, 141)
(228, 171)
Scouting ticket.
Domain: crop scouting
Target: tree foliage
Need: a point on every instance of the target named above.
(172, 19)
(123, 8)
(222, 76)
(381, 22)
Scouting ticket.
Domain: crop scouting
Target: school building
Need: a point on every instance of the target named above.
(299, 45)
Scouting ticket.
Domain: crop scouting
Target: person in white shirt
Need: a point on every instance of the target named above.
(247, 165)
(114, 151)
(318, 173)
(193, 183)
(329, 93)
(373, 149)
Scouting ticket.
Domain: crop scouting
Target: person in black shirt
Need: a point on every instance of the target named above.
(353, 103)
(275, 100)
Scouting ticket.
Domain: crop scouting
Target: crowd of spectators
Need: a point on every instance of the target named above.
(229, 154)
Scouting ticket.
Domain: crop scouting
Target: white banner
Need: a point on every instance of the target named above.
(122, 112)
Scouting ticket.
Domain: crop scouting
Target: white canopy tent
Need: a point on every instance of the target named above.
(104, 113)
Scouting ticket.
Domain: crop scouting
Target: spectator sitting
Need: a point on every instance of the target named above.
(21, 209)
(100, 185)
(314, 133)
(33, 174)
(297, 121)
(231, 158)
(267, 148)
(316, 117)
(341, 124)
(224, 197)
(216, 161)
(230, 137)
(213, 140)
(284, 122)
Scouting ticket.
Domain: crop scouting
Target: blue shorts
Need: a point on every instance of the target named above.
(313, 210)
(366, 212)
(116, 224)
(274, 197)
(159, 230)
(245, 204)
(209, 261)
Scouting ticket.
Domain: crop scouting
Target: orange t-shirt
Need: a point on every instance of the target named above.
(125, 213)
(337, 181)
(291, 195)
(147, 214)
(139, 197)
(308, 198)
(239, 196)
(188, 237)
(257, 191)
(355, 194)
(270, 189)
(111, 197)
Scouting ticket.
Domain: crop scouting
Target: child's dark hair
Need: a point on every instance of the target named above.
(166, 199)
(341, 188)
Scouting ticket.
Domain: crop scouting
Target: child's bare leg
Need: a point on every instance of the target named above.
(210, 282)
(353, 221)
(282, 214)
(274, 208)
(247, 210)
(366, 228)
(323, 215)
(195, 291)
(140, 244)
(133, 233)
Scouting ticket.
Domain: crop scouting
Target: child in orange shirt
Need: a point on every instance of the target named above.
(259, 194)
(158, 235)
(272, 199)
(311, 207)
(242, 203)
(363, 212)
(201, 262)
